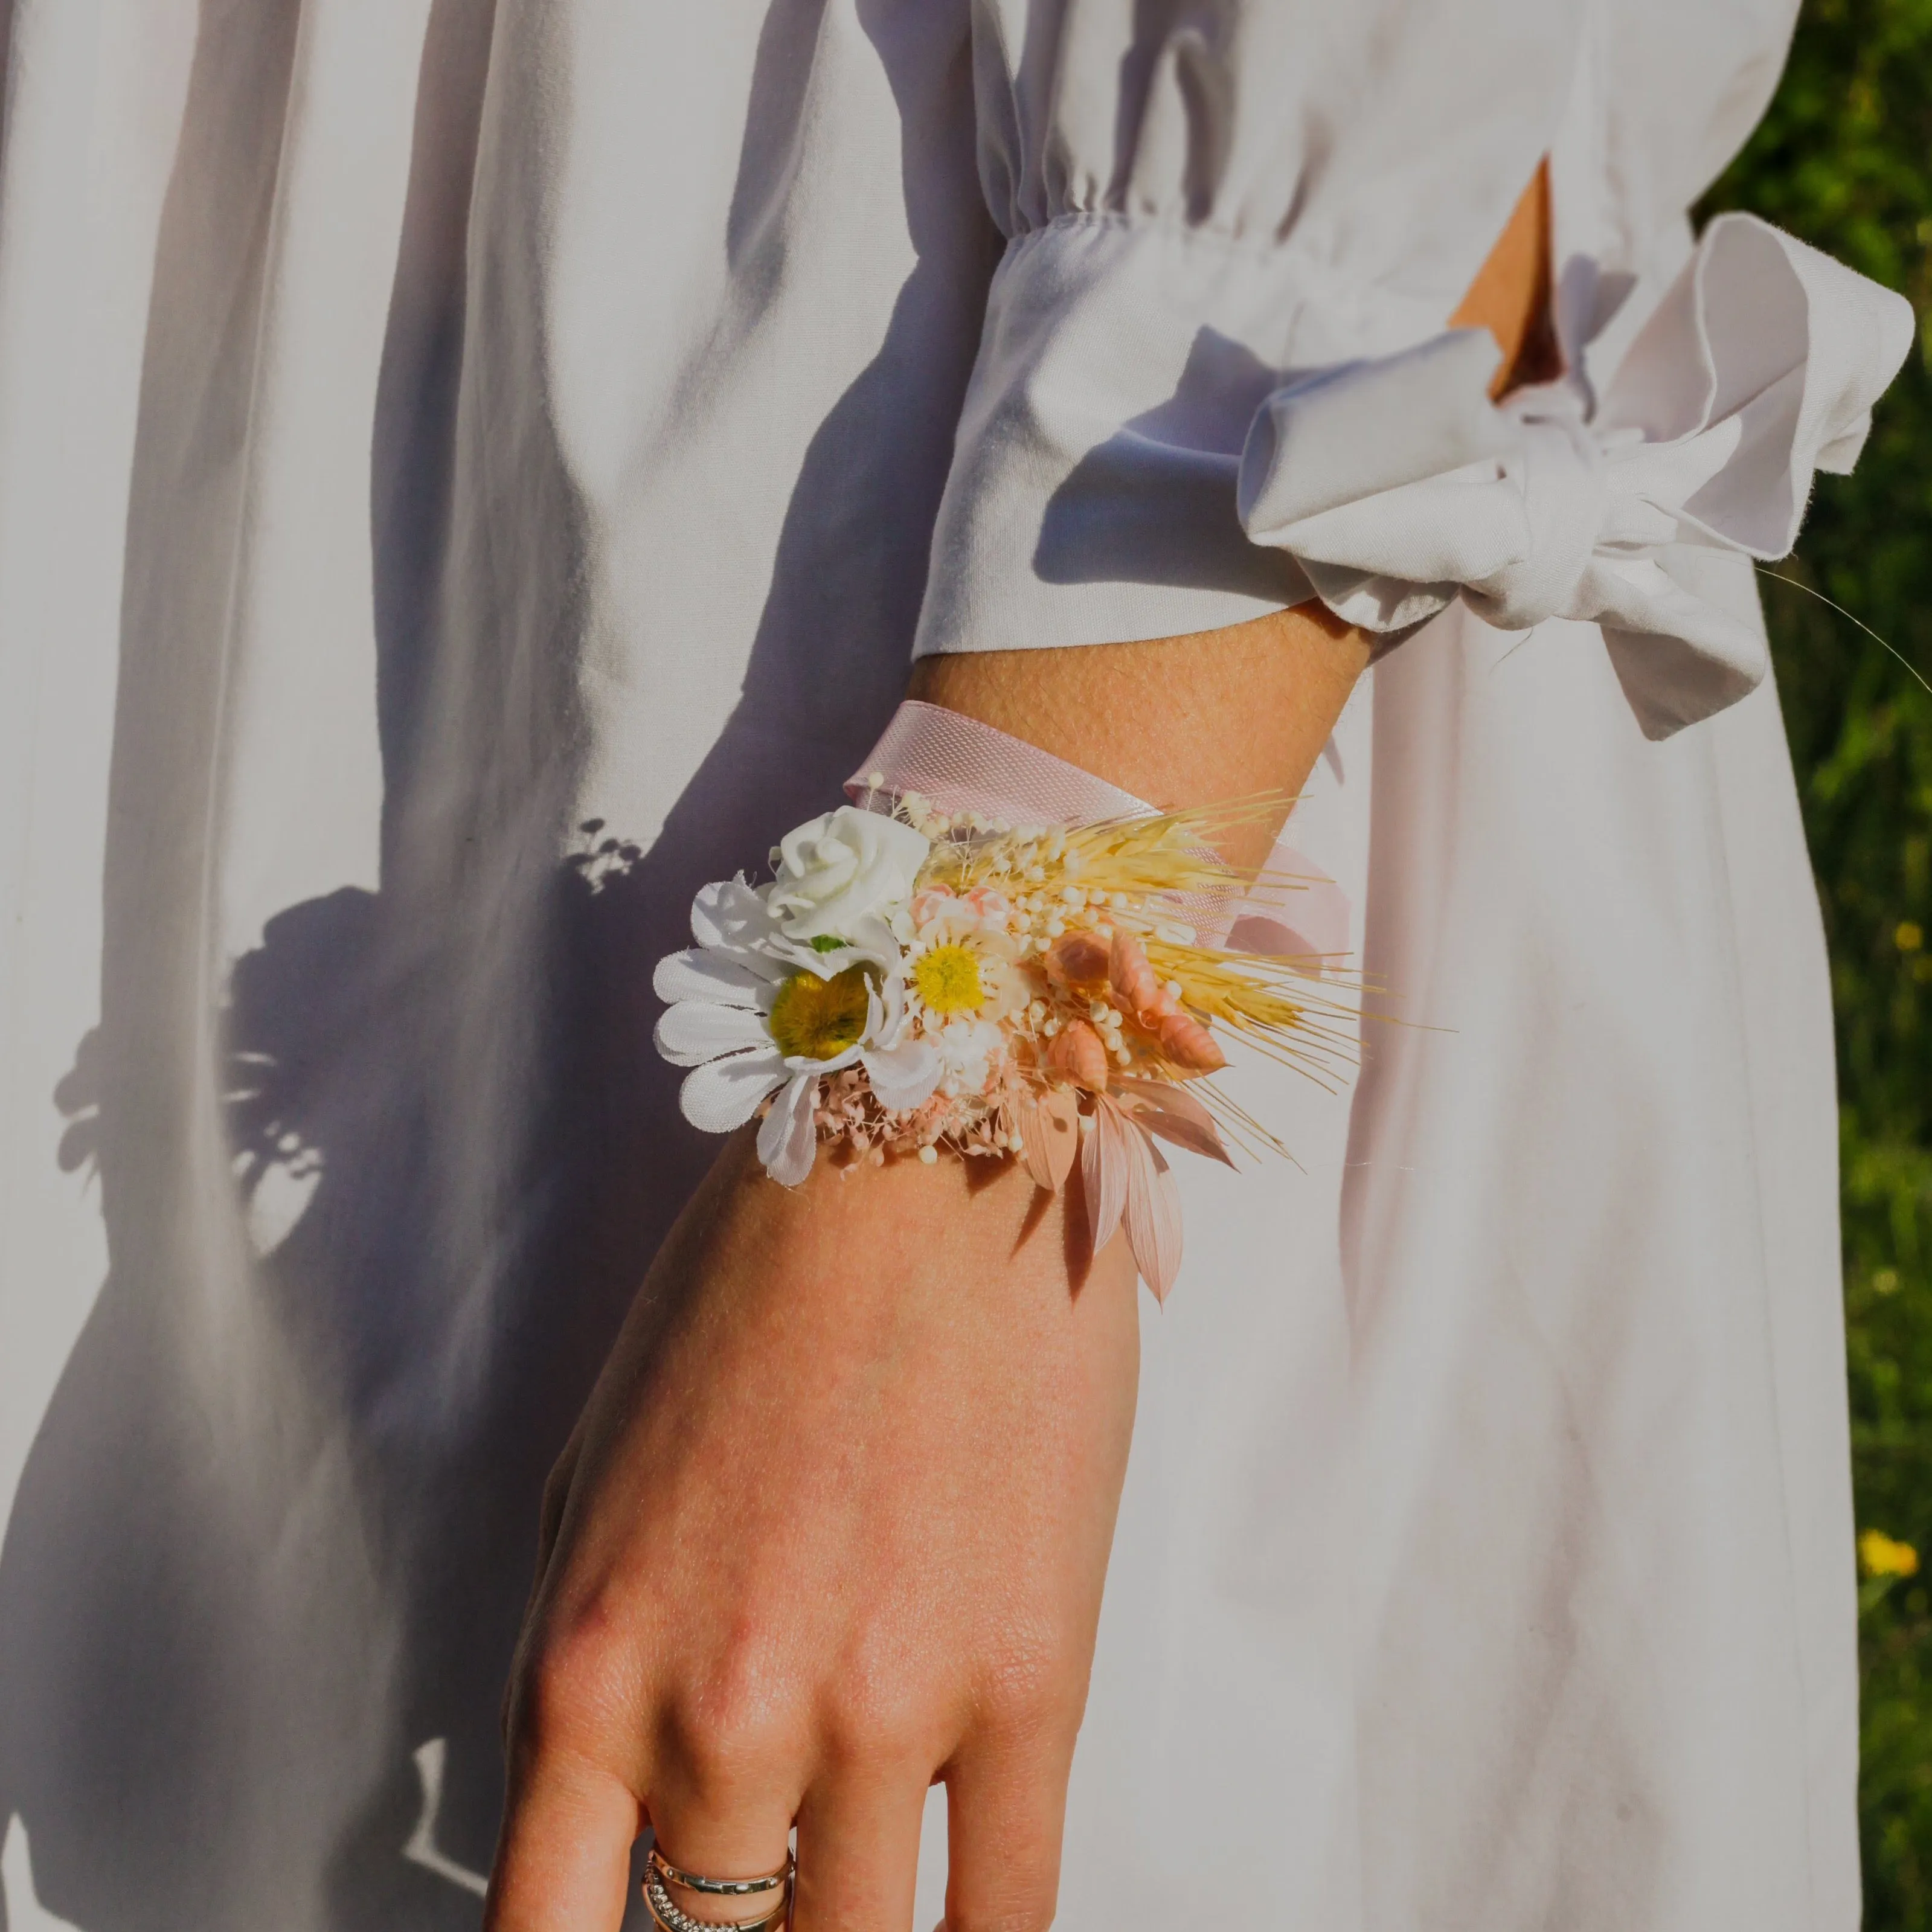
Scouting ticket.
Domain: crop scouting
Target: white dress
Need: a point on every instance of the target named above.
(428, 426)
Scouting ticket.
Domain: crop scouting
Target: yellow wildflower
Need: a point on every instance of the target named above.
(1883, 1555)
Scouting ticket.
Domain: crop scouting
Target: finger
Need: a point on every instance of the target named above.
(1006, 1811)
(563, 1857)
(550, 1522)
(858, 1851)
(722, 1792)
(734, 1831)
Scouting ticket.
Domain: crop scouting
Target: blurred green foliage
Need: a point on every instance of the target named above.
(1844, 160)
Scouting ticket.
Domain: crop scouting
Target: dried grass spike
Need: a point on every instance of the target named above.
(1135, 980)
(1078, 959)
(1188, 1043)
(1184, 1040)
(1079, 1054)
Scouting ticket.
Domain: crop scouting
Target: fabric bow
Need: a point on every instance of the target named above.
(1398, 486)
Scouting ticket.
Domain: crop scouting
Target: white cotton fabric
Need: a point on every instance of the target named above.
(471, 473)
(1398, 487)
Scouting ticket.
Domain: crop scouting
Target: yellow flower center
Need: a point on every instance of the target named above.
(817, 1019)
(947, 979)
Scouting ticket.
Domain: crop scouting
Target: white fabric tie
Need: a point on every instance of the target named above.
(1398, 486)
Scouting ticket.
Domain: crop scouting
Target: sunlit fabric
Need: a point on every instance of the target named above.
(473, 471)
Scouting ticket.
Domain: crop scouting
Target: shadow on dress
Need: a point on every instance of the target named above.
(375, 1210)
(1155, 502)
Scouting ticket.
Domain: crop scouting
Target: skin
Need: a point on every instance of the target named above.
(836, 1521)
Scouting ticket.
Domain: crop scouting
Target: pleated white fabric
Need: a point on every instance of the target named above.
(472, 471)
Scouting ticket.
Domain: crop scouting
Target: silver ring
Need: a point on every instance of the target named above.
(721, 1888)
(672, 1918)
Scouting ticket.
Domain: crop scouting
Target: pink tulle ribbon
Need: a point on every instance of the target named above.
(961, 765)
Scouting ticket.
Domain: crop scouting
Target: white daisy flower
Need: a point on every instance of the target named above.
(754, 1012)
(959, 967)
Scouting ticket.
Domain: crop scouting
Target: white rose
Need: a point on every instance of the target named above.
(838, 869)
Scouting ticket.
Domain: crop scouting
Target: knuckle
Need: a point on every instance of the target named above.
(876, 1710)
(863, 1723)
(734, 1722)
(723, 1757)
(574, 1686)
(1028, 1697)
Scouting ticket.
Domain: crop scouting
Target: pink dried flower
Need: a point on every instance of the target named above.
(990, 905)
(929, 902)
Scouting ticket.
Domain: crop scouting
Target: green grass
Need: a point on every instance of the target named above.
(1844, 160)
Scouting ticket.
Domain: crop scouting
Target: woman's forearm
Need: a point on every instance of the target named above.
(1176, 721)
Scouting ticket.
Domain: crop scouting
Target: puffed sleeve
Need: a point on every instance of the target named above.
(1215, 377)
(1197, 198)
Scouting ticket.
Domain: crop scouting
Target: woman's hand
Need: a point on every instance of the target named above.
(835, 1523)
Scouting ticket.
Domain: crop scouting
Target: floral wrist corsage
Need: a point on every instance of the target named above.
(914, 982)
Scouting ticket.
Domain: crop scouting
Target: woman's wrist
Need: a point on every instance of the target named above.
(1180, 722)
(990, 1221)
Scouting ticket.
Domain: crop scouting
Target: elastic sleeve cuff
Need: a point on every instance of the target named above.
(1092, 495)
